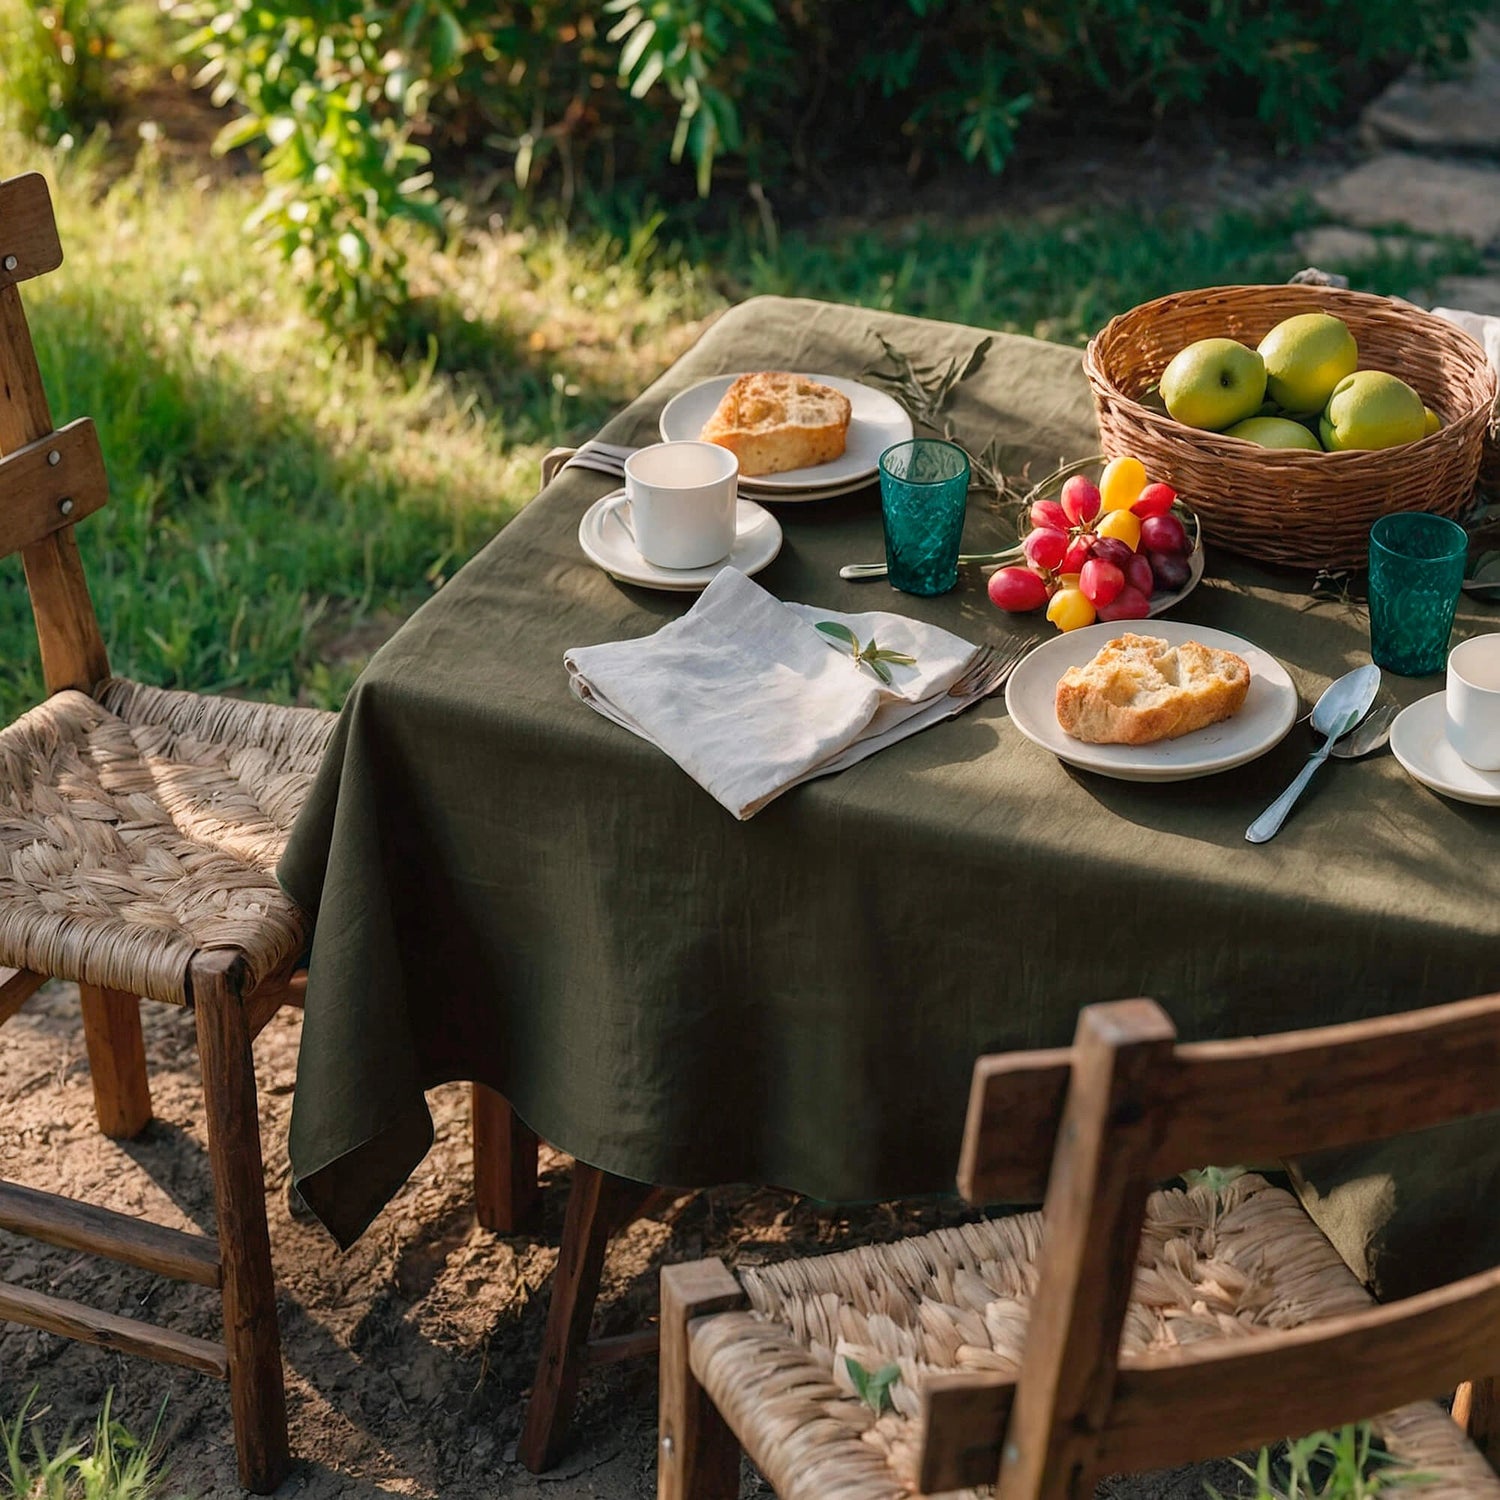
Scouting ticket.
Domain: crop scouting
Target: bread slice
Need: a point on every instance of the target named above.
(1138, 690)
(773, 422)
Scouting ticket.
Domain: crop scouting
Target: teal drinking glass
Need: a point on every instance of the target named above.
(1416, 568)
(924, 487)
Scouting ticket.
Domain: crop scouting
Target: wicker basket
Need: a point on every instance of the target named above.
(1306, 510)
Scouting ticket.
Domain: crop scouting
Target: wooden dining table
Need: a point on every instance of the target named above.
(512, 890)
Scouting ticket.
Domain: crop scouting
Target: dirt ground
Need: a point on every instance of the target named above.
(408, 1358)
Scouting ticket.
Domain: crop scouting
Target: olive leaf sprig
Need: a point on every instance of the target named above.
(924, 390)
(872, 656)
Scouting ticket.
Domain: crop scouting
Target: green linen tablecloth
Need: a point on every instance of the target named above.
(511, 889)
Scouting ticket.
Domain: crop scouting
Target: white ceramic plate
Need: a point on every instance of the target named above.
(604, 535)
(1270, 708)
(875, 423)
(1419, 740)
(751, 491)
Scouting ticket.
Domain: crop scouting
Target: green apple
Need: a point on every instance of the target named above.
(1371, 409)
(1434, 422)
(1214, 383)
(1274, 432)
(1306, 357)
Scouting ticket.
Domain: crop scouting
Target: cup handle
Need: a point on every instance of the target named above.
(618, 505)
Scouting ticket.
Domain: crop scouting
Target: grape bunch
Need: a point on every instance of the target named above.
(1098, 552)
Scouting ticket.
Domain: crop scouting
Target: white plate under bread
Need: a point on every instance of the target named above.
(876, 422)
(1269, 710)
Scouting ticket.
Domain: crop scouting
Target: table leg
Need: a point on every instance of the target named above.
(598, 1204)
(505, 1149)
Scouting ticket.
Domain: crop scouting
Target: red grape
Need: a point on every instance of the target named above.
(1017, 590)
(1100, 581)
(1128, 604)
(1165, 534)
(1170, 569)
(1111, 549)
(1049, 513)
(1155, 500)
(1077, 553)
(1045, 547)
(1138, 574)
(1080, 499)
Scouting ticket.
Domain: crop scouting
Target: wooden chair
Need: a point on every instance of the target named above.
(1138, 1329)
(139, 832)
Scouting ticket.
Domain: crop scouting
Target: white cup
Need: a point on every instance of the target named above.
(682, 503)
(1472, 703)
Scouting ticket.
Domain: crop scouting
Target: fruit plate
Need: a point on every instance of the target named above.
(1161, 603)
(1269, 712)
(876, 422)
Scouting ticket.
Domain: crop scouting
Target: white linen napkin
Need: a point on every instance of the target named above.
(1480, 327)
(750, 698)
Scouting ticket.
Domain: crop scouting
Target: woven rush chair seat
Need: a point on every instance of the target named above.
(1231, 1265)
(140, 826)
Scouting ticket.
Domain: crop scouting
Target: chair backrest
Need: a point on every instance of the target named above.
(48, 480)
(1121, 1110)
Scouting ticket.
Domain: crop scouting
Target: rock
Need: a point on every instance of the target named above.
(1479, 294)
(1460, 114)
(1335, 247)
(1414, 192)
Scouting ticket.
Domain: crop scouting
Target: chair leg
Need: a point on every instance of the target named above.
(117, 1060)
(1476, 1408)
(251, 1336)
(697, 1455)
(505, 1153)
(598, 1204)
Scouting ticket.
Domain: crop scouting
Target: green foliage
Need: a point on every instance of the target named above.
(687, 46)
(329, 87)
(1342, 1465)
(115, 1466)
(55, 80)
(348, 96)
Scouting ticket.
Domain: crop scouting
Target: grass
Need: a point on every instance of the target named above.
(114, 1466)
(280, 499)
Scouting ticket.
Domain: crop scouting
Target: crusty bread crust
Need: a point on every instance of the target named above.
(1138, 690)
(773, 422)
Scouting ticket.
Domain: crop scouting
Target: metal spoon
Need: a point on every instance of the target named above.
(879, 570)
(1369, 735)
(1343, 704)
(1482, 588)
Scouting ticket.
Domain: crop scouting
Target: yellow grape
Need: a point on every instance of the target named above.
(1121, 483)
(1123, 525)
(1069, 610)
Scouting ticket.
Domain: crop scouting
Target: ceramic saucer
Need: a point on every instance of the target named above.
(604, 534)
(1419, 740)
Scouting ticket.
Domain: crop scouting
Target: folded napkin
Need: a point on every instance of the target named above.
(1480, 327)
(750, 698)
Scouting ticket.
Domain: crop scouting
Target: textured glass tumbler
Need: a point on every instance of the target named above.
(1416, 567)
(924, 487)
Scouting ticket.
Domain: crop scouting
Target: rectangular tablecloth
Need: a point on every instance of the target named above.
(511, 889)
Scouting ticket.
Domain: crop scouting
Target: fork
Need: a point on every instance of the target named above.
(605, 458)
(989, 670)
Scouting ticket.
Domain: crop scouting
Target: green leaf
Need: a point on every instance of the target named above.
(839, 632)
(873, 1389)
(900, 658)
(238, 133)
(880, 669)
(447, 41)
